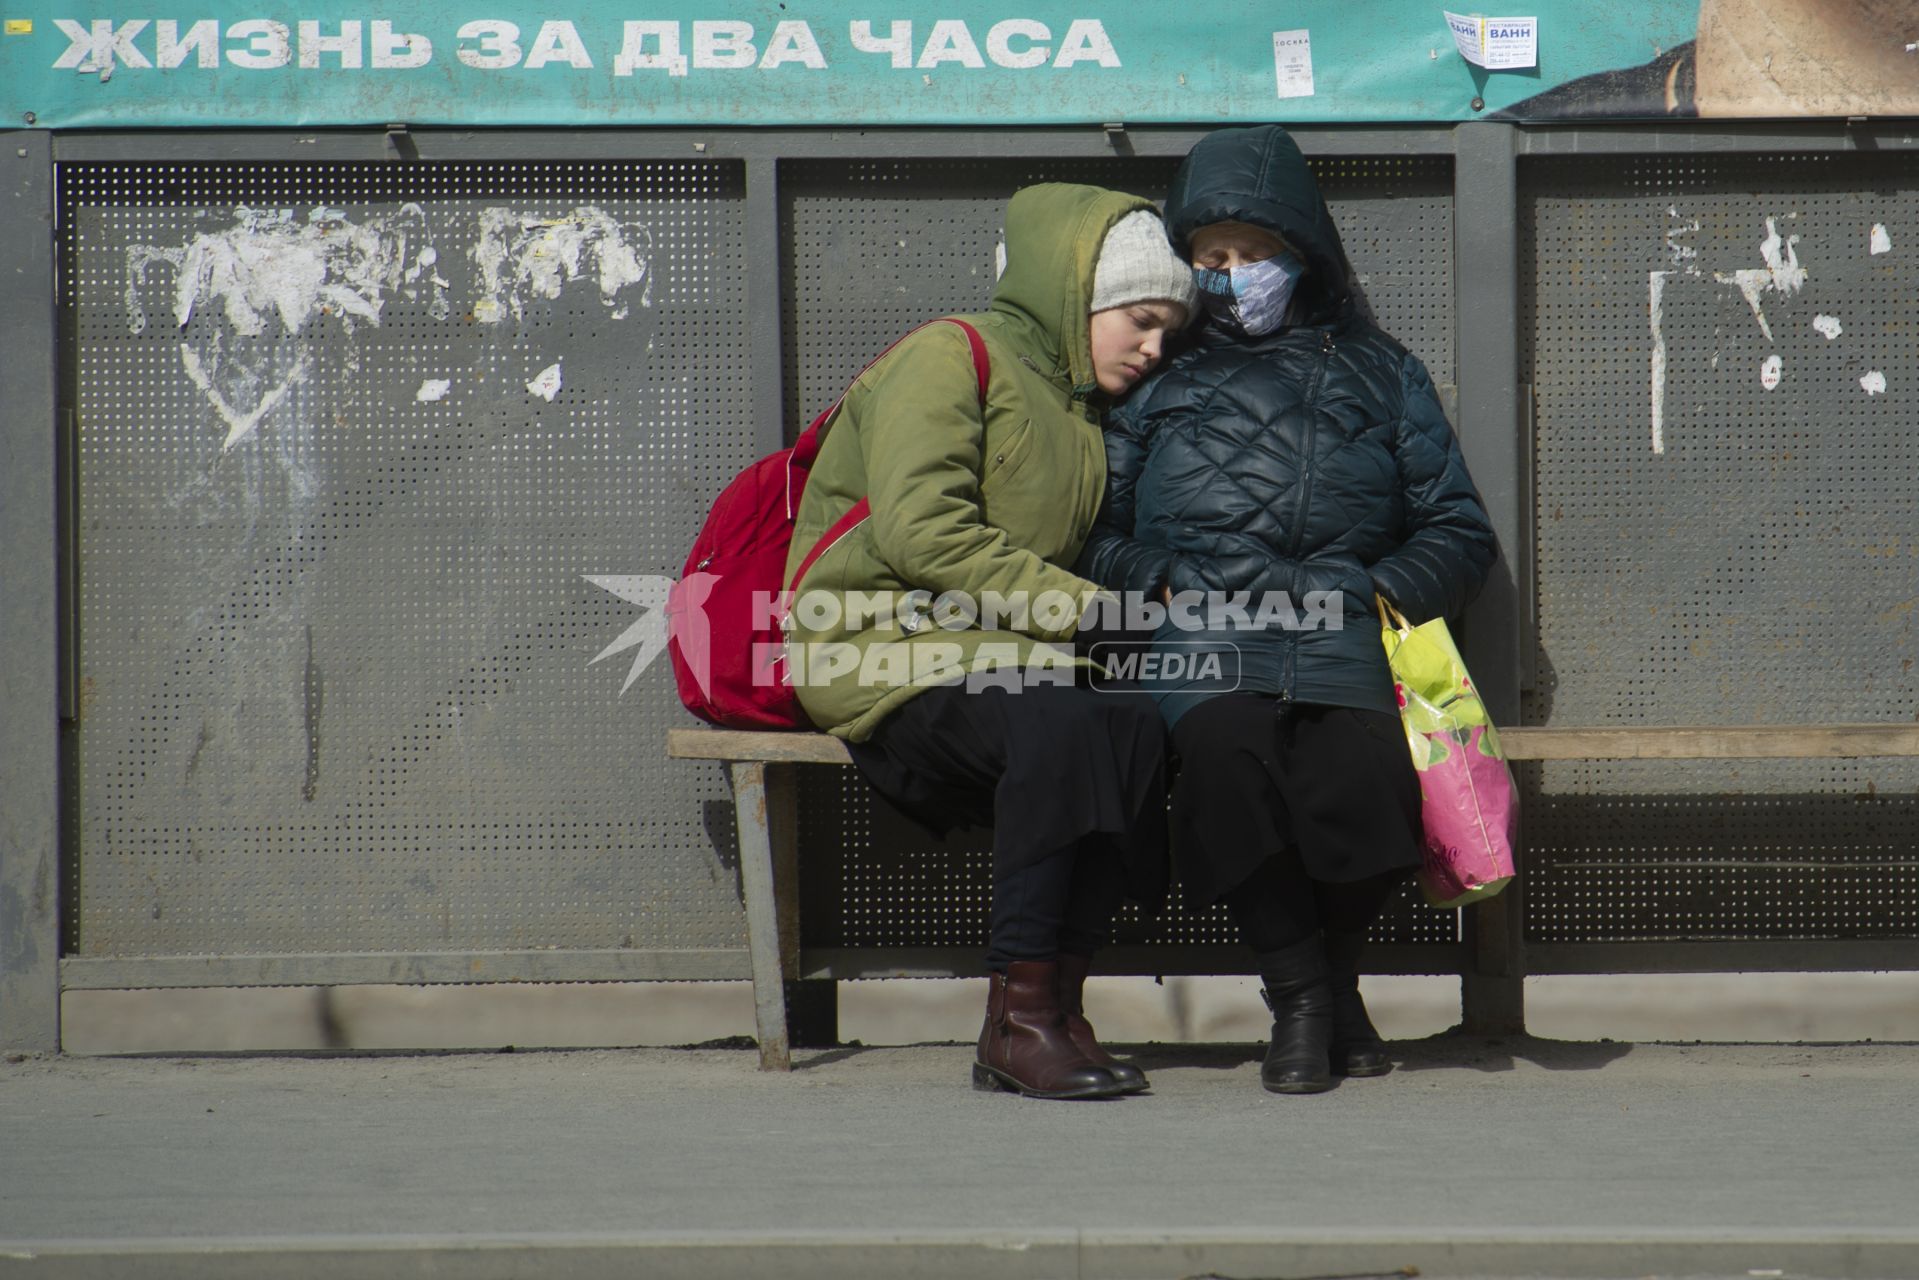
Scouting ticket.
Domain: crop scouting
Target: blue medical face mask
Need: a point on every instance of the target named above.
(1252, 298)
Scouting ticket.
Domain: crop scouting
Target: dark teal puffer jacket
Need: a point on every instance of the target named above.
(1313, 459)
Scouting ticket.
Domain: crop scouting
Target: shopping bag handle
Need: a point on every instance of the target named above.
(1393, 617)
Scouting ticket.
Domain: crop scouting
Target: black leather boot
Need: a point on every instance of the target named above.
(1300, 994)
(1072, 1002)
(1357, 1049)
(1024, 1046)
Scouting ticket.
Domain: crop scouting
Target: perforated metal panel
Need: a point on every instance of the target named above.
(875, 247)
(1762, 568)
(336, 623)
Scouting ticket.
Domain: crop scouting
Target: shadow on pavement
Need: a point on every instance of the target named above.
(1454, 1051)
(1448, 1051)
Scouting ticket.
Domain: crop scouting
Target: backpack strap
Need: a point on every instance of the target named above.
(807, 447)
(857, 513)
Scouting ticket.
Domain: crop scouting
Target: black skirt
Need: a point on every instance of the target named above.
(1257, 774)
(1044, 768)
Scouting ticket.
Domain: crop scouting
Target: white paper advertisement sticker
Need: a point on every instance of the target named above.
(1497, 44)
(1293, 63)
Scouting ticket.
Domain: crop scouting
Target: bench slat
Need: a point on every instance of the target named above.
(773, 746)
(1741, 742)
(1648, 742)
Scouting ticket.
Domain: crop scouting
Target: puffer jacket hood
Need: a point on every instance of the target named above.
(1314, 463)
(990, 499)
(1259, 176)
(1047, 225)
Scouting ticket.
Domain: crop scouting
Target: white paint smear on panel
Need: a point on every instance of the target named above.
(1782, 273)
(1769, 372)
(1881, 242)
(1874, 383)
(1655, 295)
(546, 384)
(240, 422)
(1684, 258)
(1828, 326)
(526, 255)
(433, 389)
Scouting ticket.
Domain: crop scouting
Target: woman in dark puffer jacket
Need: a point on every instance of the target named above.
(1296, 453)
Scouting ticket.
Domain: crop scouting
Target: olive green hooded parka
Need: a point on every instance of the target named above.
(989, 502)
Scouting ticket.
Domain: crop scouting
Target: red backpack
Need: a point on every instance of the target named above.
(728, 607)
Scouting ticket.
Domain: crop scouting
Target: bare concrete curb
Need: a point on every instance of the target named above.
(1019, 1255)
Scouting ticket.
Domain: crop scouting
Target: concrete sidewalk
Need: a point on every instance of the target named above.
(1474, 1158)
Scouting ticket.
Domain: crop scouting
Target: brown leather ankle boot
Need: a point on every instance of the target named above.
(1024, 1046)
(1072, 1002)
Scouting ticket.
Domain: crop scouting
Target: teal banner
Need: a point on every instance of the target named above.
(701, 62)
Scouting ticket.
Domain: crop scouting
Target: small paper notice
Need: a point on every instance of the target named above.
(1497, 44)
(1293, 63)
(546, 384)
(19, 26)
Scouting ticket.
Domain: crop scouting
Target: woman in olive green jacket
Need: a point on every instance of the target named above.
(936, 635)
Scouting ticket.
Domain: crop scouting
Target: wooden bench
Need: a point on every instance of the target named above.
(759, 768)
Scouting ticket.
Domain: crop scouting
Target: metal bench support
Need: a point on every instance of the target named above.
(763, 801)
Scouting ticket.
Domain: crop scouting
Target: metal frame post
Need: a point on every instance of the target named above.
(29, 615)
(808, 1010)
(1486, 287)
(765, 297)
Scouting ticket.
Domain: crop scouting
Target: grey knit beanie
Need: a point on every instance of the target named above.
(1137, 264)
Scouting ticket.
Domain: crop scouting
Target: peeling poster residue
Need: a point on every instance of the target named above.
(1881, 242)
(522, 255)
(270, 264)
(1874, 383)
(1782, 273)
(1827, 326)
(546, 384)
(271, 274)
(433, 389)
(1769, 372)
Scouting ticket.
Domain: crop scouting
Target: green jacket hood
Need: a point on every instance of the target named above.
(1259, 176)
(1053, 236)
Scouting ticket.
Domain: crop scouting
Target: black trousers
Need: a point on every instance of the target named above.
(1279, 905)
(1072, 783)
(1301, 817)
(1064, 903)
